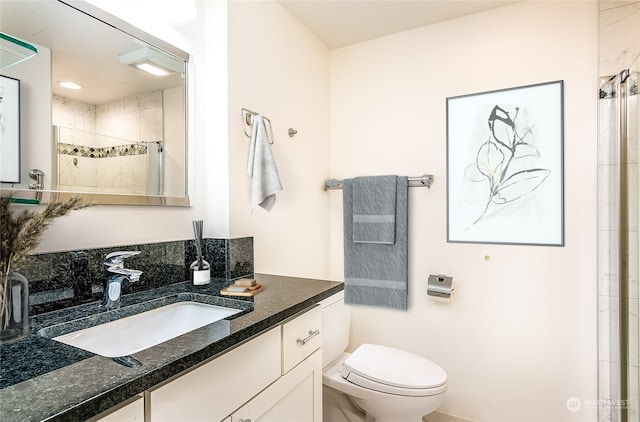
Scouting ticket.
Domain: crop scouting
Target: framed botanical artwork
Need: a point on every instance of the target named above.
(9, 130)
(505, 166)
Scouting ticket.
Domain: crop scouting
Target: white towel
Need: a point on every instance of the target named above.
(261, 167)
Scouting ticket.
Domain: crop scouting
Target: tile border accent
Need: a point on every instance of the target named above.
(101, 152)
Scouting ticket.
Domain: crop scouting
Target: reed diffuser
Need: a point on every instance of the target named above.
(200, 269)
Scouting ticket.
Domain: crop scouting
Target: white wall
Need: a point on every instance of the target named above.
(279, 69)
(519, 337)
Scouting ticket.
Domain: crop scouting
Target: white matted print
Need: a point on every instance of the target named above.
(9, 130)
(505, 166)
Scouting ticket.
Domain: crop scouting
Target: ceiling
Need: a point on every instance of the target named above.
(70, 34)
(84, 50)
(338, 23)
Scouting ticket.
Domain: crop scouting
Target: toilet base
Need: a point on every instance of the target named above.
(385, 416)
(338, 407)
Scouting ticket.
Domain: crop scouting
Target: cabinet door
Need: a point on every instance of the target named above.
(295, 397)
(132, 412)
(212, 391)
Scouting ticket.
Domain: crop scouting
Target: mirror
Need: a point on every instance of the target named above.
(121, 138)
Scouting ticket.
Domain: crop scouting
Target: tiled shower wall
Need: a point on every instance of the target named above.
(122, 168)
(63, 279)
(619, 49)
(83, 166)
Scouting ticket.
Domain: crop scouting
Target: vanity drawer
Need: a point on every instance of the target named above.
(300, 337)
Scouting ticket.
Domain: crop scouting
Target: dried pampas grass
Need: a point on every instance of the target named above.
(20, 234)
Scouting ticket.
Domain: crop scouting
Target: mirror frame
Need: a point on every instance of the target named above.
(45, 196)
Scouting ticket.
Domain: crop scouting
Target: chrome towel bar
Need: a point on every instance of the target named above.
(424, 180)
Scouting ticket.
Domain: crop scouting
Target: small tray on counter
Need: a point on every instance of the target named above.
(248, 290)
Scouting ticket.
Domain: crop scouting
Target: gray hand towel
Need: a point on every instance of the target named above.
(261, 167)
(374, 209)
(376, 274)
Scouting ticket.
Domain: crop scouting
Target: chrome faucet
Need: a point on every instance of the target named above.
(117, 273)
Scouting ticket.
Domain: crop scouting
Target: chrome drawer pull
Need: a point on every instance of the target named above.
(312, 334)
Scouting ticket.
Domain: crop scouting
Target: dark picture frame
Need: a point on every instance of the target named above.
(505, 157)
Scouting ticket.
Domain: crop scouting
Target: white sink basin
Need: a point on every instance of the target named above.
(132, 334)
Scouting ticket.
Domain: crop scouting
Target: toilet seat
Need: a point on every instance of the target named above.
(392, 371)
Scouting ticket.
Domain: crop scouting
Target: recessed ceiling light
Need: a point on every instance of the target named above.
(69, 85)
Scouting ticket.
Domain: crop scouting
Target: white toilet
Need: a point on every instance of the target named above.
(374, 383)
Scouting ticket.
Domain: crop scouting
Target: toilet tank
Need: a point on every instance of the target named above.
(336, 321)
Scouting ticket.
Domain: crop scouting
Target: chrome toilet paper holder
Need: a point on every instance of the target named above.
(440, 286)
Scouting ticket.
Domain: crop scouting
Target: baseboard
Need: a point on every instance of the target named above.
(445, 417)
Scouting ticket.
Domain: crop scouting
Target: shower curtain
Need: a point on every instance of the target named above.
(618, 252)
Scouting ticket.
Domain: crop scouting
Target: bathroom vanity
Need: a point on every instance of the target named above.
(272, 375)
(268, 366)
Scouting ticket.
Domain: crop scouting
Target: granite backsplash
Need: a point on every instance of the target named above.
(63, 279)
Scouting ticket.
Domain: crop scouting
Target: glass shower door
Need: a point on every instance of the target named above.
(618, 248)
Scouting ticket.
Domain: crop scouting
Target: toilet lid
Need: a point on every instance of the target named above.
(392, 371)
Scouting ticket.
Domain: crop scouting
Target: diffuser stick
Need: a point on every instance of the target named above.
(197, 230)
(200, 269)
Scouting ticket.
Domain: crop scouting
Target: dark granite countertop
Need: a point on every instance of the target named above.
(42, 379)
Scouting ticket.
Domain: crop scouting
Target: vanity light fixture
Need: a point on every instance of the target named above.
(154, 70)
(151, 61)
(69, 85)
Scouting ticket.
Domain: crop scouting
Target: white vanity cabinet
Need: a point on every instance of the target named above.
(276, 376)
(297, 395)
(300, 337)
(214, 390)
(130, 411)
